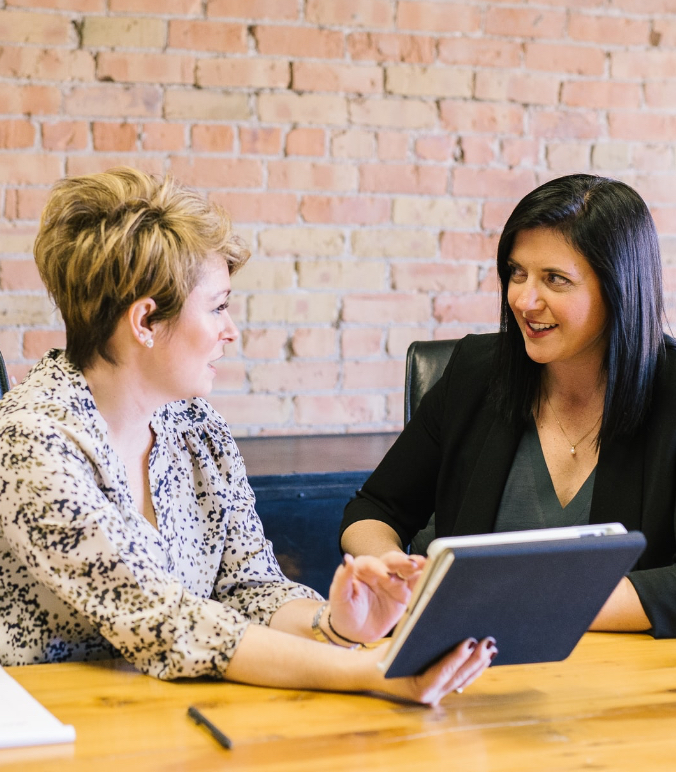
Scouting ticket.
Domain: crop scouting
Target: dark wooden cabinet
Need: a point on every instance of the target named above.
(302, 485)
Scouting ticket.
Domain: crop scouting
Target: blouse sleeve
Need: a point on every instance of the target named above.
(74, 541)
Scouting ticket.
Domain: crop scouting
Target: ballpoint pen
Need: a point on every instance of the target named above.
(199, 718)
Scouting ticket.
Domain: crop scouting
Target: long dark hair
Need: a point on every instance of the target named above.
(609, 224)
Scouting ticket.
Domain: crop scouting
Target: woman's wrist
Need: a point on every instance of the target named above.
(324, 631)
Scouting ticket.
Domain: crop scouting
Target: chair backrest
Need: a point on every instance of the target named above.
(4, 378)
(426, 360)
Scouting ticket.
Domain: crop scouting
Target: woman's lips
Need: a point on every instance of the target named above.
(538, 329)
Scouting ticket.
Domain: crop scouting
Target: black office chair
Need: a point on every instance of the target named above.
(4, 378)
(426, 361)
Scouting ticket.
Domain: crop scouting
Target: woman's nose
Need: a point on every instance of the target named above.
(230, 330)
(528, 298)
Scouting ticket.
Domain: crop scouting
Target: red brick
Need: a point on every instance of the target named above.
(479, 117)
(520, 152)
(395, 307)
(46, 29)
(477, 52)
(490, 282)
(10, 344)
(55, 64)
(298, 42)
(123, 32)
(163, 136)
(564, 124)
(361, 342)
(131, 67)
(212, 138)
(438, 147)
(353, 13)
(92, 163)
(260, 141)
(301, 241)
(652, 157)
(29, 100)
(400, 338)
(481, 309)
(611, 155)
(308, 175)
(270, 10)
(157, 7)
(457, 331)
(251, 410)
(258, 207)
(112, 100)
(355, 210)
(17, 133)
(17, 238)
(339, 409)
(655, 188)
(479, 247)
(602, 95)
(355, 78)
(308, 142)
(392, 145)
(294, 308)
(613, 30)
(445, 212)
(84, 6)
(645, 6)
(476, 150)
(19, 275)
(383, 47)
(659, 94)
(415, 80)
(495, 213)
(394, 113)
(25, 203)
(37, 342)
(204, 105)
(574, 60)
(293, 376)
(646, 64)
(387, 374)
(434, 277)
(353, 143)
(215, 36)
(568, 156)
(335, 274)
(243, 73)
(314, 342)
(403, 178)
(492, 183)
(118, 137)
(525, 23)
(664, 32)
(523, 87)
(438, 17)
(29, 169)
(264, 344)
(302, 108)
(217, 172)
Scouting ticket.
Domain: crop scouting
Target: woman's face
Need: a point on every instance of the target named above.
(186, 349)
(557, 300)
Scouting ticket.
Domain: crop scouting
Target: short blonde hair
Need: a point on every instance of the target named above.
(107, 240)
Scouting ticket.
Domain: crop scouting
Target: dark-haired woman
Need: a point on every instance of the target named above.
(566, 416)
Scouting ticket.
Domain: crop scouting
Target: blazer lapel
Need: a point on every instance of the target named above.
(618, 488)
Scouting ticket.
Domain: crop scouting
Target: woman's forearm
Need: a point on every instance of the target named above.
(622, 612)
(370, 537)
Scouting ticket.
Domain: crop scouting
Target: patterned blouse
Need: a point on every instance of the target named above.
(83, 575)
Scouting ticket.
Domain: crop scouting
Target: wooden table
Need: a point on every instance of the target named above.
(610, 706)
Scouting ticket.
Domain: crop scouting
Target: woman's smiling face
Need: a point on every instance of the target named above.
(557, 299)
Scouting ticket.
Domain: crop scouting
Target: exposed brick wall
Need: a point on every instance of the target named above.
(369, 150)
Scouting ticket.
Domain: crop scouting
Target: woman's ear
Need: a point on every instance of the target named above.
(138, 316)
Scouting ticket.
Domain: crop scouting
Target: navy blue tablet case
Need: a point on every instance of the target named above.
(536, 599)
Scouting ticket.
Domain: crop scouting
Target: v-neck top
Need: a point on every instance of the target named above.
(529, 499)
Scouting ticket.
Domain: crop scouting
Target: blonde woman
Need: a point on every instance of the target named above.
(127, 524)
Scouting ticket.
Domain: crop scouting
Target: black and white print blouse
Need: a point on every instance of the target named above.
(83, 575)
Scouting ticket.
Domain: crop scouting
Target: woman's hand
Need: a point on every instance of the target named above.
(457, 670)
(368, 595)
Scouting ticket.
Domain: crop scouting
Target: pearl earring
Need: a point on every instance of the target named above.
(149, 343)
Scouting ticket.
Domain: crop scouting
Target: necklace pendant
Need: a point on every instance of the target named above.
(572, 450)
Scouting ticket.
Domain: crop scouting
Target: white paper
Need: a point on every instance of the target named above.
(24, 721)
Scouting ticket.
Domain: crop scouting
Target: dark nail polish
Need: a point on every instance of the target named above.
(494, 654)
(472, 644)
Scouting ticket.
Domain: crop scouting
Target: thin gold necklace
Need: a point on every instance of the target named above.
(573, 445)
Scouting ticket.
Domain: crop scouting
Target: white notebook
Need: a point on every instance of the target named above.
(24, 721)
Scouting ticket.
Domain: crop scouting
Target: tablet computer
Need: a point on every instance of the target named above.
(536, 592)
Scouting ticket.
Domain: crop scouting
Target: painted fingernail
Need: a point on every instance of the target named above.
(472, 644)
(493, 654)
(491, 643)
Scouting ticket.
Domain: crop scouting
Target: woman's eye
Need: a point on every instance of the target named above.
(516, 273)
(558, 280)
(222, 307)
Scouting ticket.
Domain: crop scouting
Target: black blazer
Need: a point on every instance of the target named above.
(454, 456)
